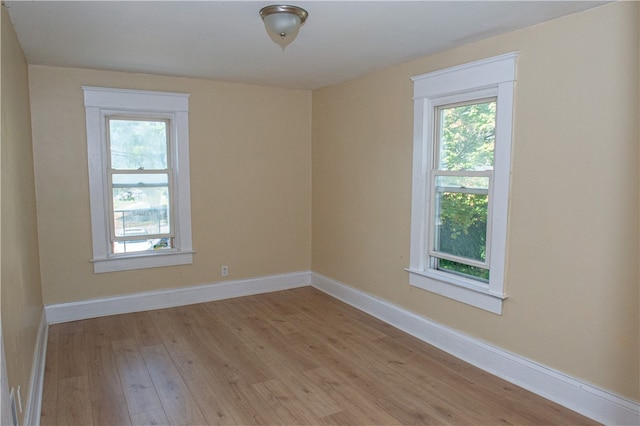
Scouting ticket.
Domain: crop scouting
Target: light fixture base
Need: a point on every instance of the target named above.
(276, 8)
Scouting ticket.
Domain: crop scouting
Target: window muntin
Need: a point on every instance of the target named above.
(141, 205)
(461, 175)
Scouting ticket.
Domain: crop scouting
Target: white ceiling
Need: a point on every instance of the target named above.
(226, 40)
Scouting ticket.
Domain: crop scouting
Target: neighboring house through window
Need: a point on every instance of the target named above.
(138, 151)
(461, 171)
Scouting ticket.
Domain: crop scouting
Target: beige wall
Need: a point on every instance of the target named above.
(20, 279)
(572, 274)
(250, 182)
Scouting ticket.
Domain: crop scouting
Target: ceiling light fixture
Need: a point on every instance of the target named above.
(283, 22)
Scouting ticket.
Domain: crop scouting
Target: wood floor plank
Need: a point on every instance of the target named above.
(117, 326)
(285, 324)
(155, 417)
(49, 412)
(169, 332)
(254, 327)
(207, 359)
(344, 319)
(328, 349)
(216, 408)
(110, 412)
(104, 379)
(188, 339)
(408, 413)
(50, 385)
(74, 402)
(177, 401)
(285, 403)
(291, 357)
(138, 389)
(484, 386)
(234, 400)
(71, 360)
(71, 327)
(250, 404)
(239, 351)
(315, 399)
(350, 398)
(143, 329)
(341, 418)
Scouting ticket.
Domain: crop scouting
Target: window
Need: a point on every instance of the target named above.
(138, 174)
(460, 182)
(461, 170)
(138, 149)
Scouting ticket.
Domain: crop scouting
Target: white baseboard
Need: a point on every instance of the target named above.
(577, 395)
(149, 300)
(34, 401)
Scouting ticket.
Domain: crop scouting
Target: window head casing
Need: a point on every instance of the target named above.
(138, 151)
(461, 171)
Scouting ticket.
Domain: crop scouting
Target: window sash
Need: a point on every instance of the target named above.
(168, 172)
(112, 211)
(432, 228)
(140, 117)
(444, 105)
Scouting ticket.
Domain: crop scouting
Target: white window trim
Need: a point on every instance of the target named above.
(99, 102)
(494, 76)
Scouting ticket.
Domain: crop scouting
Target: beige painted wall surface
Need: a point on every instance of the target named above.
(572, 275)
(250, 182)
(20, 279)
(638, 313)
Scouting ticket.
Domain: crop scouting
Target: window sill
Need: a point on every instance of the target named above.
(465, 291)
(141, 261)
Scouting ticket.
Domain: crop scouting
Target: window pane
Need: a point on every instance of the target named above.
(141, 204)
(461, 224)
(131, 246)
(462, 269)
(138, 144)
(466, 136)
(477, 184)
(139, 179)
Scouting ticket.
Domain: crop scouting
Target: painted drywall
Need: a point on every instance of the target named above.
(250, 182)
(21, 295)
(572, 275)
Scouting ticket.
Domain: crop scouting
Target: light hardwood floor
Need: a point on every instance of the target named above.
(291, 357)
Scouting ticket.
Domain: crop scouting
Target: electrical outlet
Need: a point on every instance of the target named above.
(224, 270)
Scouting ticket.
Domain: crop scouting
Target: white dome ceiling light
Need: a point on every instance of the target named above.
(283, 22)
